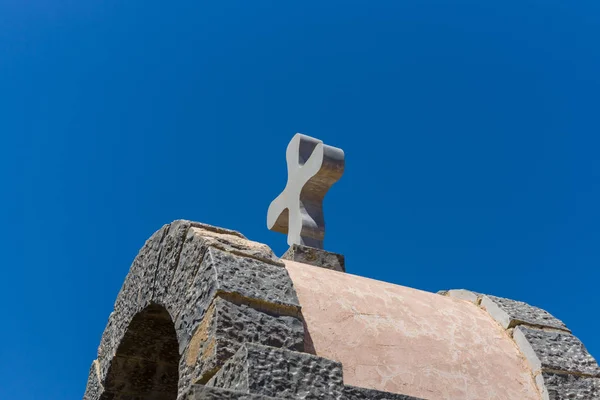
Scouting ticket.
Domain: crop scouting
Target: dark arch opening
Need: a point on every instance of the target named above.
(146, 365)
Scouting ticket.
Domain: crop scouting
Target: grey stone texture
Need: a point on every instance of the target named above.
(265, 286)
(510, 313)
(283, 373)
(316, 257)
(201, 392)
(93, 388)
(204, 305)
(177, 274)
(568, 387)
(555, 350)
(356, 393)
(227, 325)
(134, 294)
(169, 261)
(149, 261)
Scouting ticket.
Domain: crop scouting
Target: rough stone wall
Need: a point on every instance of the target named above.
(205, 313)
(561, 365)
(218, 291)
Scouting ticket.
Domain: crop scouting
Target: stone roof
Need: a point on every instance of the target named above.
(205, 313)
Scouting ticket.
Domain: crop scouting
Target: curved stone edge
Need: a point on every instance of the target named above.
(184, 267)
(93, 388)
(225, 295)
(561, 365)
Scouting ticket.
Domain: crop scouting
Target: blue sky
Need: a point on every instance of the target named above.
(470, 130)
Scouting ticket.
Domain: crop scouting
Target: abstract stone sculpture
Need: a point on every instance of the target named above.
(313, 167)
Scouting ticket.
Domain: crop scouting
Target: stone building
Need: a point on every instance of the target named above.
(205, 313)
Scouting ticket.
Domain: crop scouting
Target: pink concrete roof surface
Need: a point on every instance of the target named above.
(402, 340)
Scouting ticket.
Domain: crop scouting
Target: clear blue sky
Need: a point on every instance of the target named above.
(471, 131)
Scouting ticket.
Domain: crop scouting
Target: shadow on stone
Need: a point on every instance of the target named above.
(146, 362)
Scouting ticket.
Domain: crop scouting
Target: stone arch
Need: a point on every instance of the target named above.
(235, 319)
(202, 279)
(146, 363)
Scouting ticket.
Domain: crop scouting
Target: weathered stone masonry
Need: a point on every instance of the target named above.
(561, 365)
(205, 313)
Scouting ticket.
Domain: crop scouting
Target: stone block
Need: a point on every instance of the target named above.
(175, 277)
(171, 250)
(463, 294)
(283, 373)
(200, 392)
(554, 350)
(216, 229)
(266, 287)
(316, 257)
(181, 232)
(226, 326)
(510, 313)
(356, 393)
(149, 260)
(177, 282)
(562, 387)
(237, 245)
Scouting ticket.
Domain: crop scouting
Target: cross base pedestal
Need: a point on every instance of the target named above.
(316, 257)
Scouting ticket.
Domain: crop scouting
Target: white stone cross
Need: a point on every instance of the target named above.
(313, 167)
